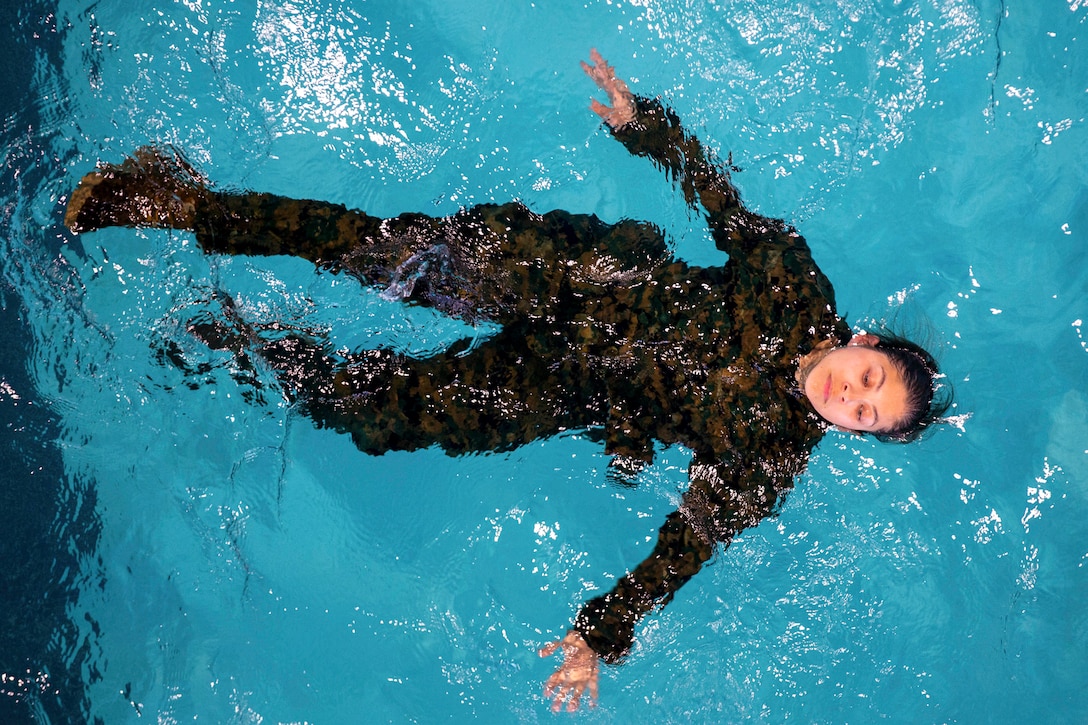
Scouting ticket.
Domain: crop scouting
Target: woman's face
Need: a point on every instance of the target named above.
(857, 388)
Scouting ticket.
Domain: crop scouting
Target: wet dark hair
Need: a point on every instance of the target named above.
(929, 395)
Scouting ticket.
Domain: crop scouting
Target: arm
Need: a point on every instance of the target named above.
(649, 129)
(720, 502)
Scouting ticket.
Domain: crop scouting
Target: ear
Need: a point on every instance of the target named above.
(866, 340)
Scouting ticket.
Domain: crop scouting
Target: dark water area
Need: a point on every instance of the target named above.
(48, 525)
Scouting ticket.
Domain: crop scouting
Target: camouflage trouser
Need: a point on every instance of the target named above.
(530, 273)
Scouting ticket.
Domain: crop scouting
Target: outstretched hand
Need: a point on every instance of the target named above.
(622, 110)
(578, 673)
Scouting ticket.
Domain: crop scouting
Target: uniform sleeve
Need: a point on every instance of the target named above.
(720, 502)
(657, 134)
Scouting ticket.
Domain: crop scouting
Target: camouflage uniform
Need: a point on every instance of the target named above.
(601, 330)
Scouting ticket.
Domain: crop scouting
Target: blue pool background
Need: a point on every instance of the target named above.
(188, 547)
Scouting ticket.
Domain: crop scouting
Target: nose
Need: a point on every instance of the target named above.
(846, 394)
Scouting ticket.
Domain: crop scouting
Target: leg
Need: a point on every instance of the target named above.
(495, 398)
(497, 262)
(156, 188)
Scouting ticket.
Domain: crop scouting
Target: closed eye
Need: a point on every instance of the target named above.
(866, 415)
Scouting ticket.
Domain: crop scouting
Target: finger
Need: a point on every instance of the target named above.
(560, 698)
(595, 56)
(553, 683)
(575, 698)
(600, 109)
(555, 690)
(593, 691)
(586, 68)
(605, 67)
(549, 649)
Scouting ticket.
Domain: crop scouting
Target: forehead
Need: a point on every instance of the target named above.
(861, 354)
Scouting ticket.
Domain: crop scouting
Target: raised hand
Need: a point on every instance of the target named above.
(622, 110)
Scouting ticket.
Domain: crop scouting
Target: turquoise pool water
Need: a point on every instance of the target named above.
(184, 548)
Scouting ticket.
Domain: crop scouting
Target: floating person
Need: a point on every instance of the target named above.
(602, 330)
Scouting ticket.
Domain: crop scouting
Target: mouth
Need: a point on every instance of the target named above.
(827, 389)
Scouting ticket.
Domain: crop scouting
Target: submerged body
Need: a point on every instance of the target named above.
(602, 330)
